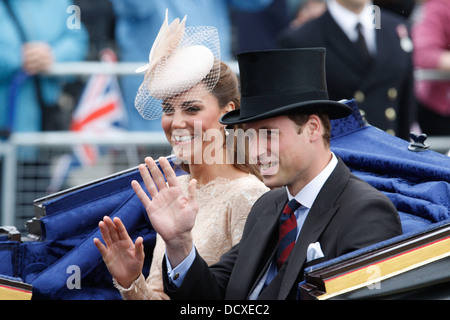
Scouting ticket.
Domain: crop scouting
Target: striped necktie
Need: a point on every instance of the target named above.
(288, 232)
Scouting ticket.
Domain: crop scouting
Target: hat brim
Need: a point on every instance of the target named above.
(334, 110)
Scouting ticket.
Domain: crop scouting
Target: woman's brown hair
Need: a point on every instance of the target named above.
(227, 90)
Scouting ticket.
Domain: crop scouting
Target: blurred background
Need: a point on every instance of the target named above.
(67, 81)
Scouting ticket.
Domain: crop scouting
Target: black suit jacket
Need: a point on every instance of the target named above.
(347, 214)
(384, 88)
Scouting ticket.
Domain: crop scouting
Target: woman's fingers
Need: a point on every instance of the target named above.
(139, 248)
(105, 232)
(100, 246)
(112, 231)
(141, 194)
(156, 174)
(121, 230)
(148, 181)
(192, 192)
(171, 177)
(153, 177)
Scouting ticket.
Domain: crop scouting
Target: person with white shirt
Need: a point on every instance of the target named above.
(375, 68)
(284, 97)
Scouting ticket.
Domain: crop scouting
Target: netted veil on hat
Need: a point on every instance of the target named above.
(180, 59)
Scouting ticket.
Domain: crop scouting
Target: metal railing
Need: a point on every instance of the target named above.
(86, 68)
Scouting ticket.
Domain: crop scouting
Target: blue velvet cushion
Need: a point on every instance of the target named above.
(51, 283)
(9, 251)
(69, 227)
(418, 183)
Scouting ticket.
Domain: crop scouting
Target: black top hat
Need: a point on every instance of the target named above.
(277, 82)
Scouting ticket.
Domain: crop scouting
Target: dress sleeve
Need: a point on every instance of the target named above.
(152, 287)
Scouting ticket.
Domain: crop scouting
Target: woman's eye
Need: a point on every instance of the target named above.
(192, 109)
(167, 110)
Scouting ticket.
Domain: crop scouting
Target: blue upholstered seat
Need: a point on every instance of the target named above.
(418, 183)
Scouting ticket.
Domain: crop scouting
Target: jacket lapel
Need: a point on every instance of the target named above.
(342, 46)
(255, 252)
(316, 222)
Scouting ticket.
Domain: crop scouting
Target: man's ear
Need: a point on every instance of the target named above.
(314, 127)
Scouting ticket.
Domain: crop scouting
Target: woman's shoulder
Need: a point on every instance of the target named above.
(245, 186)
(249, 180)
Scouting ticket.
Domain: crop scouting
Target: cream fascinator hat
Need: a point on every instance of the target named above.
(180, 59)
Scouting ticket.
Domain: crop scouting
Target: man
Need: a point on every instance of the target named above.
(375, 68)
(284, 94)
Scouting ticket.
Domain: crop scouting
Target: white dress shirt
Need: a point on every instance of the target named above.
(348, 20)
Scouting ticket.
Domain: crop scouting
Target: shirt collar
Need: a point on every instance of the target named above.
(308, 194)
(347, 19)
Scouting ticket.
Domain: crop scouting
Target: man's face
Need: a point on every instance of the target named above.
(285, 157)
(354, 5)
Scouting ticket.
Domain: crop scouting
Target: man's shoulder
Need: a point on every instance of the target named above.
(276, 194)
(354, 187)
(356, 184)
(359, 194)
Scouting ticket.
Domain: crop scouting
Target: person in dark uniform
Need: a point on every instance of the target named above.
(368, 57)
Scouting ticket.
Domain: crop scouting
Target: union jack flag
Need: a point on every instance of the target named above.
(100, 109)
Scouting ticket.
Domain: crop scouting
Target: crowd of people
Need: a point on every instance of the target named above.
(402, 36)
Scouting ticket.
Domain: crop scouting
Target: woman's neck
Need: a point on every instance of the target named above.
(205, 173)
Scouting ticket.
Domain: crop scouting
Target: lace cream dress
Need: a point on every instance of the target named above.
(223, 209)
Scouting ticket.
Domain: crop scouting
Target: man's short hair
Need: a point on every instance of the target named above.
(301, 118)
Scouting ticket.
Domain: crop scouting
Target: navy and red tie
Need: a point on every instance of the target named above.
(288, 232)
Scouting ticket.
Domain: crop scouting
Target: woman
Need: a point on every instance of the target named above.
(225, 190)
